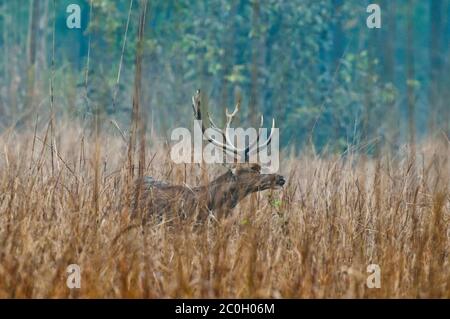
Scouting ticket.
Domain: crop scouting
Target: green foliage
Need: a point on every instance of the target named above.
(312, 64)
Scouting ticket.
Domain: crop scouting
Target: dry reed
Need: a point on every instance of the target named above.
(315, 238)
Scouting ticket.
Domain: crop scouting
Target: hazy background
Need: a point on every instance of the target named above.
(314, 65)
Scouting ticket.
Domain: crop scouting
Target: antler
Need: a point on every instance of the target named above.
(198, 116)
(229, 147)
(224, 133)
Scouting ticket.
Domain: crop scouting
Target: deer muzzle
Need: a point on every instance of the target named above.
(280, 181)
(272, 181)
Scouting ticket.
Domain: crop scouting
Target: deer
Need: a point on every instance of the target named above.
(218, 198)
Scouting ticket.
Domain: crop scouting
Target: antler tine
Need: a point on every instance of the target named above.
(249, 148)
(266, 143)
(213, 125)
(198, 116)
(228, 143)
(230, 116)
(196, 105)
(224, 135)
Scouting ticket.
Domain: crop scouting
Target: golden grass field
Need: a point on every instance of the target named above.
(312, 239)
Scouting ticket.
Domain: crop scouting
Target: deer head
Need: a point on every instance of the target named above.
(244, 177)
(249, 176)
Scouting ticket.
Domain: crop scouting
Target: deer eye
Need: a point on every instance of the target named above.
(256, 168)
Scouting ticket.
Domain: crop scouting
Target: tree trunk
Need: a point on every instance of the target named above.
(410, 78)
(389, 71)
(228, 57)
(256, 47)
(31, 51)
(338, 34)
(435, 62)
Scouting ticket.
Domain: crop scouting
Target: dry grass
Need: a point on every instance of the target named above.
(314, 238)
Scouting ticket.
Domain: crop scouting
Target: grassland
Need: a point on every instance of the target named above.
(62, 202)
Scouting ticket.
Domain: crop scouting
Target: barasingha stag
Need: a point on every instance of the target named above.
(221, 195)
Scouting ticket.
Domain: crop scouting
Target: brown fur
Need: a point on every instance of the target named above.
(218, 197)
